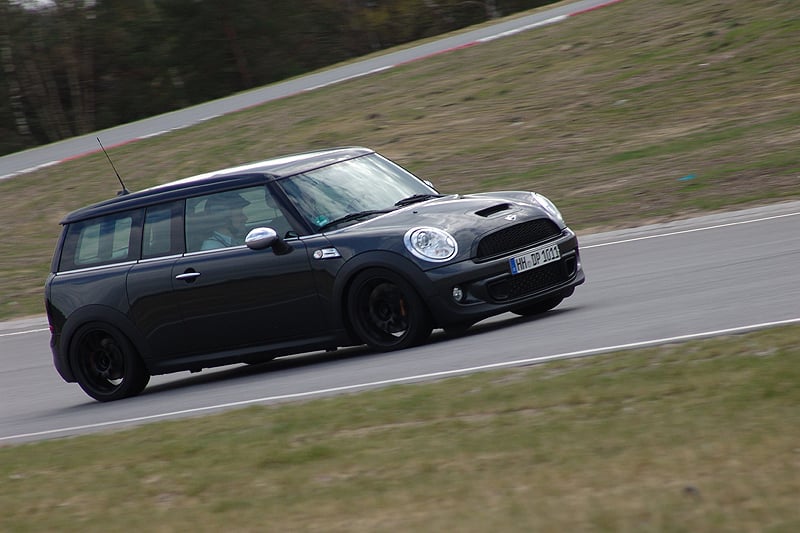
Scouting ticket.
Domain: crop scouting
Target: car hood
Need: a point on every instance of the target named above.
(466, 217)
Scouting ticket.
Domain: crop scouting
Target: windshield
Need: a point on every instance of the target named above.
(365, 185)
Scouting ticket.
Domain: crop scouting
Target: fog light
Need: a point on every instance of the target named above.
(458, 294)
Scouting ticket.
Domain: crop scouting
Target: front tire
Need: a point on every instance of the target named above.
(385, 311)
(105, 363)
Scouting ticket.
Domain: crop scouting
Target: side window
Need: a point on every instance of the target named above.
(162, 233)
(223, 219)
(103, 240)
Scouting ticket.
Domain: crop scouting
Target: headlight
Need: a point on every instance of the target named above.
(430, 244)
(547, 205)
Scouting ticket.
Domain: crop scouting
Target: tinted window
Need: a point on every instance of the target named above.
(100, 241)
(223, 219)
(162, 233)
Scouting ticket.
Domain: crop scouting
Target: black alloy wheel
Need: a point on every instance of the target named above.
(105, 363)
(386, 312)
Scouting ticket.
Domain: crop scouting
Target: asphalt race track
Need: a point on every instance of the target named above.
(720, 274)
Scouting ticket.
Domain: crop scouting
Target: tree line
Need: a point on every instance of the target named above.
(70, 67)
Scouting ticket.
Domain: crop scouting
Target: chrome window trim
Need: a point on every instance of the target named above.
(214, 250)
(160, 258)
(98, 267)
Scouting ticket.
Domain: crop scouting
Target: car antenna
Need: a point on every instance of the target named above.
(124, 190)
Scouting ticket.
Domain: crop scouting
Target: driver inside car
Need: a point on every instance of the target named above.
(225, 213)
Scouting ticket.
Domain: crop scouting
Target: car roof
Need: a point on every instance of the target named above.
(227, 178)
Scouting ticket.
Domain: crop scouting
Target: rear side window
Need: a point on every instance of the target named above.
(162, 233)
(101, 241)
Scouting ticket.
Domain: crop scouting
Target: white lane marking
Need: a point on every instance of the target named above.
(24, 332)
(164, 132)
(521, 29)
(29, 169)
(154, 134)
(410, 379)
(347, 78)
(693, 230)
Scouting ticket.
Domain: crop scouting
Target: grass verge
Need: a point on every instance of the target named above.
(701, 436)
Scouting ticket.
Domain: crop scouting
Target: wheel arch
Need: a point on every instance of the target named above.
(106, 315)
(396, 263)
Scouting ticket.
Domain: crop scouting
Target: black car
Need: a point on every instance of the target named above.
(306, 252)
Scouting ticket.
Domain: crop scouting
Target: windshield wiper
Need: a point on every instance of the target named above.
(353, 216)
(416, 198)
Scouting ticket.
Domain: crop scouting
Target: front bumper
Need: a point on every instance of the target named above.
(489, 288)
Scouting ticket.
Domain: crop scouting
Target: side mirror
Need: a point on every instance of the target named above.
(261, 238)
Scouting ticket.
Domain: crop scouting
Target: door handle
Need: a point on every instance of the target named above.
(188, 276)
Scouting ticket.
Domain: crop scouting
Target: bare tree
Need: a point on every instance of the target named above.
(76, 55)
(47, 58)
(489, 6)
(16, 104)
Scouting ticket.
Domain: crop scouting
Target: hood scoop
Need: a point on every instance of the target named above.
(493, 210)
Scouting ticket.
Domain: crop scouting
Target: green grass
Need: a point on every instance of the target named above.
(603, 112)
(700, 436)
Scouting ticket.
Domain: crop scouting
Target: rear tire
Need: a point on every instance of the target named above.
(106, 364)
(385, 311)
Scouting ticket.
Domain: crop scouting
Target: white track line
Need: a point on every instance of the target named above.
(408, 379)
(523, 29)
(693, 230)
(29, 169)
(23, 332)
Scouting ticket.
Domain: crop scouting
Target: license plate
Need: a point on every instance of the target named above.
(534, 258)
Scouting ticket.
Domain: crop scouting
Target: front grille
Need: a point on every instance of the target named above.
(516, 237)
(533, 280)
